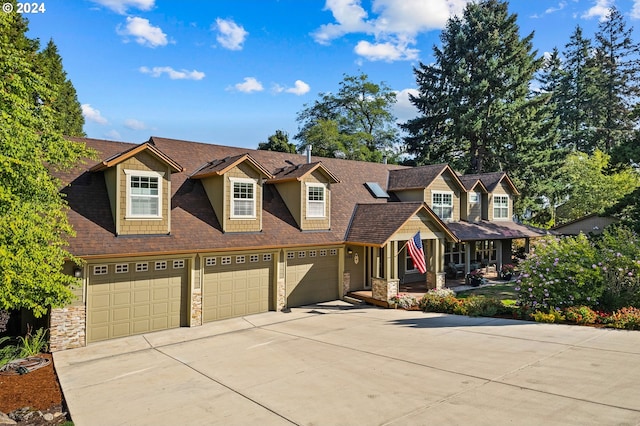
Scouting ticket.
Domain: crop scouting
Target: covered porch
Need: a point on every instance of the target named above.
(378, 263)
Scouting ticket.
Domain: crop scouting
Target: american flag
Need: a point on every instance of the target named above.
(414, 247)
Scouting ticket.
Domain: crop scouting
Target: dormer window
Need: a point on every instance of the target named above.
(500, 206)
(144, 194)
(442, 205)
(316, 200)
(474, 197)
(243, 202)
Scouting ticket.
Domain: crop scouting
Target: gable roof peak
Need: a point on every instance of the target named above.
(132, 152)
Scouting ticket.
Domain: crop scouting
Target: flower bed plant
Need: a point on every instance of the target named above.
(404, 301)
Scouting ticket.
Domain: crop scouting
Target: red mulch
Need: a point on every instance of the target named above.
(38, 390)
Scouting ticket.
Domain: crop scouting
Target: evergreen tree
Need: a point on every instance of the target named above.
(617, 59)
(476, 109)
(279, 142)
(64, 100)
(355, 123)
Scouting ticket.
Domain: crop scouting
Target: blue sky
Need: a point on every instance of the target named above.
(233, 72)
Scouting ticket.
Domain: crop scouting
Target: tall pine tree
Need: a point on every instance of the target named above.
(619, 72)
(476, 109)
(64, 100)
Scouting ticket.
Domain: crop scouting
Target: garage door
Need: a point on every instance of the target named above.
(132, 298)
(235, 286)
(312, 276)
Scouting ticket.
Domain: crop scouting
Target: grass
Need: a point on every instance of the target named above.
(503, 292)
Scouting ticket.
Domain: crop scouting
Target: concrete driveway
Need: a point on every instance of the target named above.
(334, 365)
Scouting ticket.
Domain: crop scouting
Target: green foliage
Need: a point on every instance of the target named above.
(33, 344)
(560, 272)
(625, 318)
(442, 300)
(478, 306)
(355, 123)
(619, 252)
(550, 317)
(580, 314)
(592, 186)
(33, 222)
(574, 271)
(67, 112)
(476, 109)
(8, 352)
(279, 142)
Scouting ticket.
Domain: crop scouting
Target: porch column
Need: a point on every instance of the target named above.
(527, 246)
(393, 260)
(498, 255)
(467, 258)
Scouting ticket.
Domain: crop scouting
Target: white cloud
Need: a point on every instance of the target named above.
(133, 124)
(230, 35)
(144, 33)
(635, 11)
(113, 134)
(385, 51)
(299, 89)
(393, 27)
(173, 74)
(250, 85)
(551, 10)
(403, 109)
(121, 6)
(92, 114)
(600, 10)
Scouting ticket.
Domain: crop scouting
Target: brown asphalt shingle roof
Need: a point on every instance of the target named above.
(470, 182)
(194, 226)
(491, 180)
(299, 171)
(419, 177)
(485, 230)
(375, 224)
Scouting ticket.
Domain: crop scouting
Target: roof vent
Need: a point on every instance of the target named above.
(309, 154)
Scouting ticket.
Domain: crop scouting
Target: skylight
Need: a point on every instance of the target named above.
(376, 190)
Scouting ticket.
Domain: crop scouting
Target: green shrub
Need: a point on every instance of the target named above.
(625, 318)
(33, 344)
(580, 314)
(439, 300)
(552, 316)
(476, 306)
(8, 352)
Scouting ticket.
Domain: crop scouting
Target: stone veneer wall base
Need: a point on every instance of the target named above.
(67, 328)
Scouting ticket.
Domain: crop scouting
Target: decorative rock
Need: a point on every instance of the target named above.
(5, 420)
(48, 417)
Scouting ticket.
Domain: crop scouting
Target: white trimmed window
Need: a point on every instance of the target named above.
(474, 197)
(225, 260)
(323, 252)
(178, 264)
(161, 265)
(266, 257)
(144, 194)
(302, 254)
(243, 198)
(240, 259)
(122, 268)
(100, 270)
(333, 252)
(210, 261)
(142, 267)
(442, 204)
(312, 253)
(254, 258)
(500, 206)
(316, 200)
(291, 255)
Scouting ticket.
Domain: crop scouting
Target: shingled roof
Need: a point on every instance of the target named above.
(375, 224)
(220, 167)
(470, 183)
(492, 180)
(485, 230)
(194, 226)
(299, 171)
(419, 177)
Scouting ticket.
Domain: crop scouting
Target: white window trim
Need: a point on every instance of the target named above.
(324, 200)
(144, 173)
(433, 193)
(232, 181)
(477, 197)
(501, 208)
